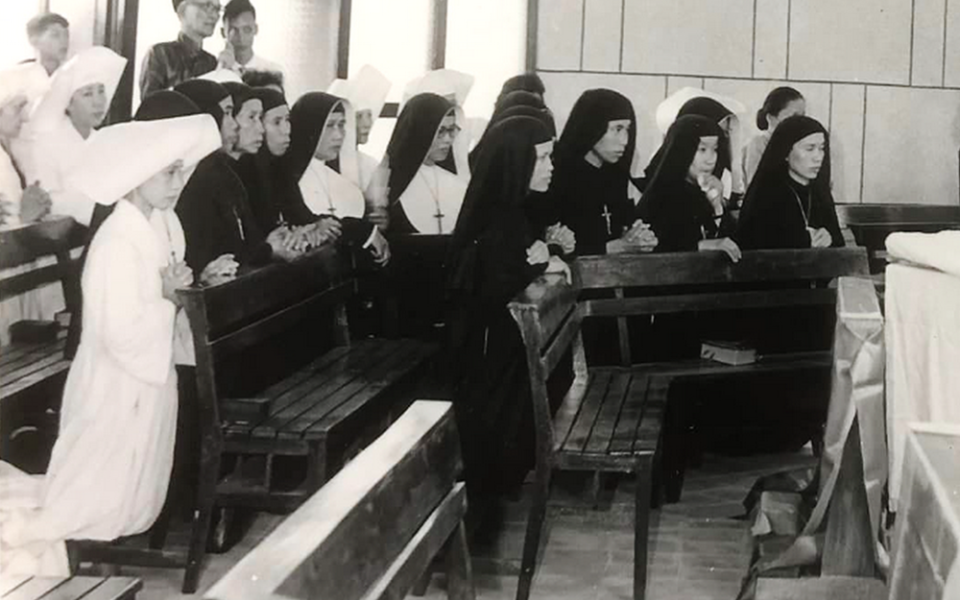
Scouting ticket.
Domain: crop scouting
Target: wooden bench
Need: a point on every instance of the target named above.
(32, 375)
(279, 410)
(707, 281)
(872, 223)
(609, 420)
(374, 528)
(13, 587)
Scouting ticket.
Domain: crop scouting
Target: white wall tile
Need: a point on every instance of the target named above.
(928, 42)
(851, 41)
(559, 34)
(912, 137)
(689, 37)
(770, 55)
(601, 35)
(846, 141)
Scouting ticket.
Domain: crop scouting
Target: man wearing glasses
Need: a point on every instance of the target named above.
(170, 63)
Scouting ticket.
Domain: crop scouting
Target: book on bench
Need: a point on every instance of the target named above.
(728, 353)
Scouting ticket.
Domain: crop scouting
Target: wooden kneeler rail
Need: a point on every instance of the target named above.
(374, 528)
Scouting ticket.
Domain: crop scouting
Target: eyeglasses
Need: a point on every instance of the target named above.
(209, 7)
(451, 131)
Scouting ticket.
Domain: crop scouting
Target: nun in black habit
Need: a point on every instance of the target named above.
(683, 202)
(512, 104)
(219, 227)
(789, 203)
(593, 159)
(322, 160)
(494, 255)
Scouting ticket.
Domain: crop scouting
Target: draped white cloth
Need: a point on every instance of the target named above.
(326, 192)
(111, 464)
(940, 251)
(923, 354)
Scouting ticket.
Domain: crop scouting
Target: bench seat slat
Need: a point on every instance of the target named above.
(318, 378)
(316, 421)
(42, 362)
(60, 366)
(8, 583)
(317, 392)
(602, 431)
(569, 414)
(74, 588)
(116, 588)
(36, 588)
(29, 363)
(625, 433)
(15, 352)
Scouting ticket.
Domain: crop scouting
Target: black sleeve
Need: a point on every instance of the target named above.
(198, 216)
(356, 231)
(503, 270)
(827, 218)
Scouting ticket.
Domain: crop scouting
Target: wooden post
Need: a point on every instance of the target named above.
(848, 547)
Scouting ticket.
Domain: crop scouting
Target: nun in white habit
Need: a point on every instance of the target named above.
(65, 120)
(110, 468)
(367, 92)
(20, 204)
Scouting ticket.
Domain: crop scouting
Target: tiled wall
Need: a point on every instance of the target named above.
(882, 75)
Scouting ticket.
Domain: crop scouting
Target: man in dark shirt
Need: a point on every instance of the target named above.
(170, 63)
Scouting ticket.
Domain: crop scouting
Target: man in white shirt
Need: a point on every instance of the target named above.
(240, 29)
(49, 34)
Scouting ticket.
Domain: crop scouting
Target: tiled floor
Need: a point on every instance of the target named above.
(699, 550)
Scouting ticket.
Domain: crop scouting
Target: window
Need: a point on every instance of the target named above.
(14, 46)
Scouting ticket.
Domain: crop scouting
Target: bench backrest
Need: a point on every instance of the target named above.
(549, 318)
(341, 542)
(283, 298)
(24, 245)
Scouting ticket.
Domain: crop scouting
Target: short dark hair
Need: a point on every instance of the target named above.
(263, 78)
(39, 24)
(235, 8)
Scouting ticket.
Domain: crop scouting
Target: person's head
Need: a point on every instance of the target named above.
(12, 116)
(722, 116)
(49, 34)
(515, 160)
(276, 120)
(780, 103)
(601, 129)
(690, 150)
(264, 79)
(88, 106)
(443, 139)
(527, 82)
(240, 23)
(163, 189)
(198, 18)
(365, 121)
(333, 134)
(248, 111)
(215, 100)
(799, 148)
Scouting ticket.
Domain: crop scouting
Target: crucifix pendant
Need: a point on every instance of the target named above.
(606, 217)
(439, 217)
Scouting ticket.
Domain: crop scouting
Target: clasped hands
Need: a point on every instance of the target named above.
(539, 253)
(639, 237)
(35, 204)
(174, 277)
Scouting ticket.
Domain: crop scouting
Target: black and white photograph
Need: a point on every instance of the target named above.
(480, 299)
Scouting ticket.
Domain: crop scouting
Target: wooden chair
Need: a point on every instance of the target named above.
(374, 528)
(275, 399)
(609, 421)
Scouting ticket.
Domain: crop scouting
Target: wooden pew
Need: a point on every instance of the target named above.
(872, 223)
(279, 409)
(32, 375)
(14, 587)
(609, 420)
(374, 528)
(709, 281)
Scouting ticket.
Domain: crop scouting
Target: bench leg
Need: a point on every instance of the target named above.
(531, 544)
(206, 498)
(641, 528)
(459, 568)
